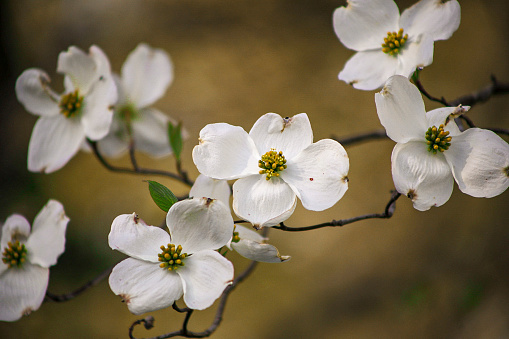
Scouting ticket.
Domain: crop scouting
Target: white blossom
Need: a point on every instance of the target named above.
(431, 152)
(26, 258)
(387, 43)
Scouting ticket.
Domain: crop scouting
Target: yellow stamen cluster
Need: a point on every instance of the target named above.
(272, 163)
(70, 104)
(394, 42)
(14, 254)
(437, 139)
(171, 258)
(236, 237)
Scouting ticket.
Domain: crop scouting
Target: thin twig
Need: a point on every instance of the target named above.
(374, 135)
(388, 212)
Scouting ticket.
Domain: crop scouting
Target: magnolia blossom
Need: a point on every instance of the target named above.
(146, 75)
(387, 43)
(163, 266)
(26, 258)
(275, 163)
(246, 242)
(431, 152)
(84, 110)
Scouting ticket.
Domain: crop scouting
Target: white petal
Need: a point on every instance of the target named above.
(438, 18)
(150, 133)
(103, 70)
(211, 188)
(418, 52)
(144, 286)
(15, 227)
(22, 291)
(263, 202)
(116, 143)
(249, 234)
(368, 70)
(258, 251)
(79, 66)
(225, 152)
(443, 116)
(422, 176)
(47, 240)
(97, 111)
(132, 236)
(289, 135)
(199, 224)
(318, 175)
(364, 24)
(401, 110)
(205, 276)
(33, 91)
(480, 162)
(146, 74)
(54, 141)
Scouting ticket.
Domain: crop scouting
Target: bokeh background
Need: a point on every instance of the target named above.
(437, 274)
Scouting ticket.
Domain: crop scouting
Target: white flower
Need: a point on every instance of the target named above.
(246, 242)
(26, 258)
(164, 266)
(431, 152)
(146, 75)
(275, 163)
(388, 44)
(84, 110)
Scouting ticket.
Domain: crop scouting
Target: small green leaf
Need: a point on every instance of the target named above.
(162, 196)
(175, 136)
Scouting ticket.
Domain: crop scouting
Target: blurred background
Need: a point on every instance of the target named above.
(442, 273)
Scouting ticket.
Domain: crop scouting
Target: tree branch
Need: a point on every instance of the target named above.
(374, 135)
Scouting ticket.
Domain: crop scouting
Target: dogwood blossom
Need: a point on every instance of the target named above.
(431, 152)
(84, 110)
(275, 163)
(163, 266)
(246, 242)
(146, 75)
(26, 258)
(387, 43)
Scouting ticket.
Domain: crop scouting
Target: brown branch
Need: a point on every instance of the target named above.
(374, 135)
(388, 212)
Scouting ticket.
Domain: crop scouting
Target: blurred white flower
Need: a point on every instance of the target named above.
(84, 110)
(387, 43)
(275, 163)
(26, 258)
(146, 75)
(164, 266)
(431, 152)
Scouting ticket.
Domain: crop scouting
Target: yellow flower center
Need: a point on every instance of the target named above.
(70, 104)
(394, 42)
(235, 237)
(127, 113)
(272, 163)
(14, 254)
(171, 258)
(437, 139)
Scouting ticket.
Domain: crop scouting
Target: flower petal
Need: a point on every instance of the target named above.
(205, 276)
(364, 24)
(22, 291)
(146, 75)
(97, 111)
(318, 175)
(16, 227)
(33, 91)
(480, 162)
(289, 135)
(199, 224)
(368, 70)
(257, 251)
(54, 141)
(79, 66)
(206, 187)
(438, 18)
(144, 286)
(422, 176)
(401, 110)
(445, 116)
(418, 52)
(225, 152)
(132, 236)
(47, 240)
(150, 133)
(263, 202)
(116, 143)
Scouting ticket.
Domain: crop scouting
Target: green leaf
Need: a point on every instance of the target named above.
(162, 196)
(175, 136)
